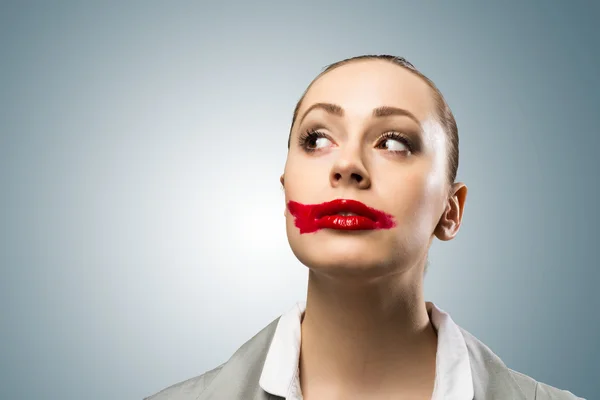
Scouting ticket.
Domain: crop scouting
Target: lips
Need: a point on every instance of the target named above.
(341, 214)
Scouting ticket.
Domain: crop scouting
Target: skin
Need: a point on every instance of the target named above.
(366, 332)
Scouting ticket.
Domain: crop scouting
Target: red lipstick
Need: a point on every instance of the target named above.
(341, 214)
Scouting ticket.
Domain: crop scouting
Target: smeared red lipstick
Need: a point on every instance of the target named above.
(330, 215)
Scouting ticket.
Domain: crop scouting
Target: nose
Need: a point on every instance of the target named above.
(349, 170)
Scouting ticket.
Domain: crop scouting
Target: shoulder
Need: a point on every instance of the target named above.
(540, 391)
(492, 377)
(243, 363)
(189, 389)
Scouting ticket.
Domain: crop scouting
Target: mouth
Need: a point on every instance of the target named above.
(340, 214)
(345, 208)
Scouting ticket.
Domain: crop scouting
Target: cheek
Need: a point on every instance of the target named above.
(305, 180)
(416, 198)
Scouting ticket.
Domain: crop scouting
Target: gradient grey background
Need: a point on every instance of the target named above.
(142, 236)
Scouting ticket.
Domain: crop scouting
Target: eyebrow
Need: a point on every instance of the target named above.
(387, 111)
(333, 109)
(379, 112)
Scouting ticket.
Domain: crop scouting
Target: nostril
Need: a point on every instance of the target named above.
(354, 177)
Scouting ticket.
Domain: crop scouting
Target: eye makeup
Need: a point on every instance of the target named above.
(313, 139)
(309, 140)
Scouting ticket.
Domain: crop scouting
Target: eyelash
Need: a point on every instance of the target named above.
(396, 136)
(312, 134)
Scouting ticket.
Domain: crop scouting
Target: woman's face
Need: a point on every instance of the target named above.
(394, 160)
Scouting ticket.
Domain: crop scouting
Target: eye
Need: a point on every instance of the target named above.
(314, 140)
(394, 142)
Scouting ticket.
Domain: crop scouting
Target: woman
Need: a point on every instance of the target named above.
(369, 183)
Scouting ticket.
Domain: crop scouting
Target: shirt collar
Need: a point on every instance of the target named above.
(279, 374)
(453, 379)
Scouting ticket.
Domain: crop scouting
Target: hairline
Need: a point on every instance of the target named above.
(434, 90)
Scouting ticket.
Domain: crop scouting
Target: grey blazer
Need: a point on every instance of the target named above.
(237, 379)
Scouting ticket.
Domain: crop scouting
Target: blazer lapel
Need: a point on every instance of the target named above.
(238, 379)
(492, 380)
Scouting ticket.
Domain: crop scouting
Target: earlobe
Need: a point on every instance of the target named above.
(451, 219)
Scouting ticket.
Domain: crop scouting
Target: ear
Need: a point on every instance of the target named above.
(282, 180)
(449, 223)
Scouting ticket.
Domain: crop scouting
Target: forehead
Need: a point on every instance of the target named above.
(361, 86)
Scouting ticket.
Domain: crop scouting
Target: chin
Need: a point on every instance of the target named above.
(353, 252)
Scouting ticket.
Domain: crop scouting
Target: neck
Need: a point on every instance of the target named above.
(366, 337)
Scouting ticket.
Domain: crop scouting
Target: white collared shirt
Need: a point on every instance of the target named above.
(453, 380)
